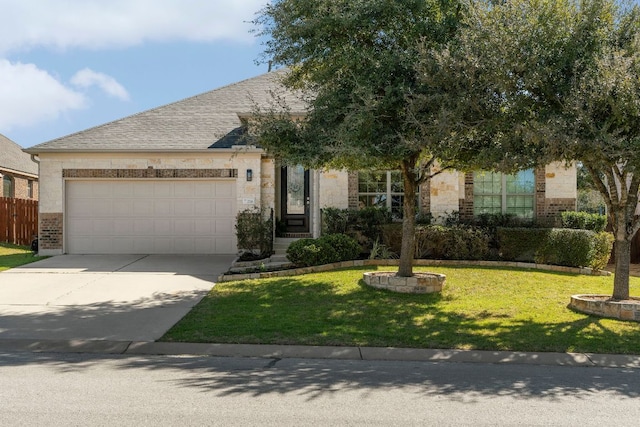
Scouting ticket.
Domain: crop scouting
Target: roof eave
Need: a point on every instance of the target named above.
(238, 149)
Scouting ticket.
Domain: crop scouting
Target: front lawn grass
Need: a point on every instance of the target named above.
(13, 256)
(479, 308)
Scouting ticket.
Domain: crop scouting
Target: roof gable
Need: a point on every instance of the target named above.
(194, 123)
(13, 158)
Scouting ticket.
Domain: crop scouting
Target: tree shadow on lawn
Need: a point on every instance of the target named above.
(366, 316)
(308, 312)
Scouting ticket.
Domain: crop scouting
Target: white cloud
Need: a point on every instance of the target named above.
(95, 24)
(29, 95)
(86, 78)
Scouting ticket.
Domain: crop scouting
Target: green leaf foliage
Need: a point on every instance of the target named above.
(324, 250)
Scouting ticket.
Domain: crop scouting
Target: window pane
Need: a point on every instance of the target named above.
(372, 182)
(7, 186)
(487, 183)
(295, 190)
(487, 204)
(379, 200)
(397, 184)
(521, 182)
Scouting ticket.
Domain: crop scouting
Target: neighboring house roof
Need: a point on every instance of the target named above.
(195, 123)
(13, 159)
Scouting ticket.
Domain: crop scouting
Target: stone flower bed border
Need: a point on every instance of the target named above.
(603, 306)
(418, 262)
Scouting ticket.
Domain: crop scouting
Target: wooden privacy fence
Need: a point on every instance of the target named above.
(18, 220)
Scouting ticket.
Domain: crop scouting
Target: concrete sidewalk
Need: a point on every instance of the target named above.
(104, 297)
(320, 352)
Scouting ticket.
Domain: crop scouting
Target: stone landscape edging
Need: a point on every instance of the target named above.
(418, 262)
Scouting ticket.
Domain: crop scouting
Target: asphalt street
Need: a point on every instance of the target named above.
(82, 389)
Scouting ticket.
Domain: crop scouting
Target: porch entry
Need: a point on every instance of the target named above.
(295, 205)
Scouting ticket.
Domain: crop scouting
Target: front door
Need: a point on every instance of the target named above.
(295, 199)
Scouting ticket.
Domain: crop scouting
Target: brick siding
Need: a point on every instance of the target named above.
(353, 190)
(50, 235)
(150, 173)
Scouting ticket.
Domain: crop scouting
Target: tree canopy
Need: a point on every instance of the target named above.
(562, 80)
(356, 61)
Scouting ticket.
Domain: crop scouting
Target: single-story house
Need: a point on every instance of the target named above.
(18, 172)
(172, 179)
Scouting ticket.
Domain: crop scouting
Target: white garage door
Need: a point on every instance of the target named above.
(150, 217)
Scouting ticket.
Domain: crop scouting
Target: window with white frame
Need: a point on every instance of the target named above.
(30, 189)
(498, 193)
(381, 189)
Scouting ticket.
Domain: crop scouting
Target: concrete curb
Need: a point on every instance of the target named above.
(320, 352)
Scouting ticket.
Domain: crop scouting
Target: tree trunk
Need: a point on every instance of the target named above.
(623, 260)
(408, 247)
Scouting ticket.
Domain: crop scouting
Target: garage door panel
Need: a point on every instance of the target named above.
(223, 245)
(123, 227)
(136, 216)
(143, 208)
(123, 245)
(143, 227)
(164, 190)
(223, 191)
(223, 227)
(142, 189)
(163, 208)
(222, 209)
(204, 190)
(122, 208)
(184, 227)
(185, 208)
(203, 227)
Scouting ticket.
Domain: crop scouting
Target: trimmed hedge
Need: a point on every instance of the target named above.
(457, 242)
(441, 242)
(575, 248)
(558, 246)
(584, 221)
(520, 244)
(324, 250)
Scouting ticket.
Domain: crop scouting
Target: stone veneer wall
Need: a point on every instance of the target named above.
(51, 229)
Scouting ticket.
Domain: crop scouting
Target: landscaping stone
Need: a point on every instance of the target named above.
(419, 283)
(604, 306)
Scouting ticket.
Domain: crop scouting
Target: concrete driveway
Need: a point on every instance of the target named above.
(104, 297)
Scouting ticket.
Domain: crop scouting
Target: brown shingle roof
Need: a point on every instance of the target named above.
(13, 158)
(194, 123)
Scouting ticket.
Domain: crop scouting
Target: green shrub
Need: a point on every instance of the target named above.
(324, 250)
(584, 221)
(305, 252)
(364, 225)
(520, 244)
(456, 242)
(254, 231)
(342, 247)
(336, 220)
(575, 248)
(392, 236)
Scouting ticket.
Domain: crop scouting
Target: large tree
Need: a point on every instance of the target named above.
(355, 59)
(564, 77)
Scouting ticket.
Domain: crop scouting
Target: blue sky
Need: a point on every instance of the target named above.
(68, 65)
